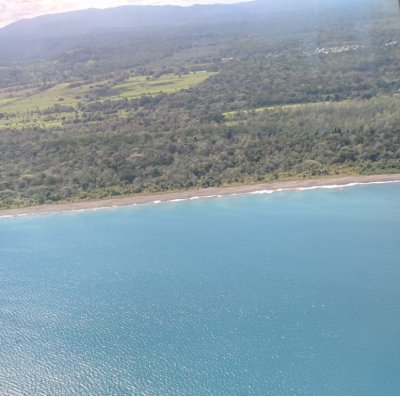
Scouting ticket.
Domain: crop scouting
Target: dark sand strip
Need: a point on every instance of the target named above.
(201, 193)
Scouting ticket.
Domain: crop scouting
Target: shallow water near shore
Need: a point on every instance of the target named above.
(292, 293)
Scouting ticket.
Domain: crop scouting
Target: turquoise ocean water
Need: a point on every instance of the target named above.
(291, 293)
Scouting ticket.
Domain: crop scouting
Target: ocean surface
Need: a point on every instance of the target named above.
(291, 293)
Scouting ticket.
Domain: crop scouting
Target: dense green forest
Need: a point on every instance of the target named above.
(276, 93)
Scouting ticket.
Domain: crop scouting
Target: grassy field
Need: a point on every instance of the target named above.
(234, 115)
(169, 83)
(384, 105)
(233, 118)
(24, 108)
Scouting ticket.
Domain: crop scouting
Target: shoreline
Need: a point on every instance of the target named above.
(211, 192)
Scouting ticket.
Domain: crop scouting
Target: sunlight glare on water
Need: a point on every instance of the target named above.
(292, 293)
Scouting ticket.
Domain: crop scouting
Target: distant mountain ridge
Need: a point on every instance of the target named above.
(124, 17)
(47, 36)
(139, 16)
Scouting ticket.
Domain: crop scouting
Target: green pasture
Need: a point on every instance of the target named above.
(23, 108)
(383, 104)
(234, 115)
(135, 87)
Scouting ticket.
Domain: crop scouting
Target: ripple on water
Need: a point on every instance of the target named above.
(238, 296)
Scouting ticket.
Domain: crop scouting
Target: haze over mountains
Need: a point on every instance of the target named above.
(29, 39)
(136, 17)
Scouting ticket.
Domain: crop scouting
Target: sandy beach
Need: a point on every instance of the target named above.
(330, 182)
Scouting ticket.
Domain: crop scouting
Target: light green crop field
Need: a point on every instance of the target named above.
(385, 104)
(24, 107)
(169, 83)
(236, 115)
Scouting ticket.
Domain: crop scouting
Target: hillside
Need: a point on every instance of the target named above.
(100, 103)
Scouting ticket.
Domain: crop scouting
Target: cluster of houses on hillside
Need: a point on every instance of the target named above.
(338, 50)
(346, 48)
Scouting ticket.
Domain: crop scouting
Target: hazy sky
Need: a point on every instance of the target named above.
(13, 10)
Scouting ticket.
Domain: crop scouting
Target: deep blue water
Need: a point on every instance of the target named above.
(293, 293)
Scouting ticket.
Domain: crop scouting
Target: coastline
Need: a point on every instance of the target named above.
(156, 198)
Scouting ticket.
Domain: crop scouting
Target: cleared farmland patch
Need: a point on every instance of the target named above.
(52, 106)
